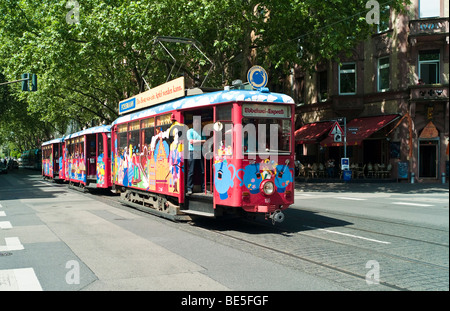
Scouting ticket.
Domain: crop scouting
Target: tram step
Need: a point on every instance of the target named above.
(199, 213)
(199, 204)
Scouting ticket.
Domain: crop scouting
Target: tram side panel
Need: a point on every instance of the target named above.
(47, 161)
(88, 159)
(146, 158)
(52, 160)
(76, 160)
(103, 160)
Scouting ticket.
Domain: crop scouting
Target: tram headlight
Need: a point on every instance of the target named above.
(268, 187)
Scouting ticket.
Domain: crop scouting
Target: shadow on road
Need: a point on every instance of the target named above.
(25, 184)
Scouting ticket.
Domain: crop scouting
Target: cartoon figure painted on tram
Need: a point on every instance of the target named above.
(223, 179)
(255, 173)
(252, 177)
(283, 178)
(176, 159)
(101, 166)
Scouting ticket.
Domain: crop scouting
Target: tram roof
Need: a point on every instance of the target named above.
(53, 141)
(208, 99)
(92, 130)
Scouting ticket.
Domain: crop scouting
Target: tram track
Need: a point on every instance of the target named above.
(311, 261)
(232, 232)
(322, 263)
(374, 220)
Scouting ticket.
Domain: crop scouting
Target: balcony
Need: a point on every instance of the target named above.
(429, 29)
(429, 92)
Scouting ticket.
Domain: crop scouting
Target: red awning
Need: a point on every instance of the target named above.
(360, 129)
(311, 133)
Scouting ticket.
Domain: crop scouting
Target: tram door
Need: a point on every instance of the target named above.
(56, 152)
(205, 116)
(91, 158)
(103, 163)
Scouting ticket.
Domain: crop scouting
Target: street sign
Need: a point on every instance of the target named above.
(337, 138)
(336, 130)
(345, 163)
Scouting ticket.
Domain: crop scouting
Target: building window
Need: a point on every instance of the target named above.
(429, 8)
(322, 79)
(385, 16)
(347, 79)
(299, 95)
(429, 67)
(383, 74)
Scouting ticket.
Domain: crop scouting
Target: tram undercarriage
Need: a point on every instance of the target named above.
(156, 204)
(198, 204)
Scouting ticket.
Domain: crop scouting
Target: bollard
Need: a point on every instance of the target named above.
(412, 177)
(443, 178)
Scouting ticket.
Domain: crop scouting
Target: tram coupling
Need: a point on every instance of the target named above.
(277, 216)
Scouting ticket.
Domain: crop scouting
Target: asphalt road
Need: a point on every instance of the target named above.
(358, 237)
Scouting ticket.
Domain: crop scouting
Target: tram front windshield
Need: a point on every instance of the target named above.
(262, 135)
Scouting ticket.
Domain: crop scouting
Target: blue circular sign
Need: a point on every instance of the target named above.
(257, 77)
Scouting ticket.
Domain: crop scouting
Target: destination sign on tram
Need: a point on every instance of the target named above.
(265, 111)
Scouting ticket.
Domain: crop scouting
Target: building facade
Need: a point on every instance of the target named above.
(393, 92)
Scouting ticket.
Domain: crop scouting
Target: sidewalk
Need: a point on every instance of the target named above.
(368, 185)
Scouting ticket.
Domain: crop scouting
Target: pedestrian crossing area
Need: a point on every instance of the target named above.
(24, 279)
(20, 279)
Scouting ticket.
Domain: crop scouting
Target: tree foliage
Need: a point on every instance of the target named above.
(86, 68)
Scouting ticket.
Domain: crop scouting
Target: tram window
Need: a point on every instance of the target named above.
(122, 142)
(80, 146)
(163, 120)
(148, 134)
(69, 147)
(122, 136)
(133, 141)
(163, 123)
(133, 136)
(108, 140)
(225, 145)
(276, 138)
(223, 113)
(92, 147)
(100, 143)
(147, 131)
(74, 149)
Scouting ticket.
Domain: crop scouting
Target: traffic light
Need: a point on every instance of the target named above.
(25, 82)
(33, 83)
(30, 82)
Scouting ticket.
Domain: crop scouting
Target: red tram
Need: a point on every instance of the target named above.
(87, 157)
(52, 159)
(247, 154)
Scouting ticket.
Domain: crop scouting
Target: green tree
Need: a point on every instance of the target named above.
(86, 68)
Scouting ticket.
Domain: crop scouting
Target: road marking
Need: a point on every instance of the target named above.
(348, 198)
(411, 204)
(12, 244)
(2, 214)
(349, 235)
(19, 280)
(5, 225)
(1, 206)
